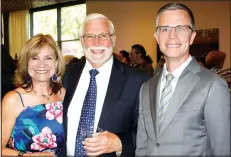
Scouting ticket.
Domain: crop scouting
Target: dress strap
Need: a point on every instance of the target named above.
(20, 98)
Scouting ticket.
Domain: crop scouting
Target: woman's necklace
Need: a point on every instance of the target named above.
(43, 95)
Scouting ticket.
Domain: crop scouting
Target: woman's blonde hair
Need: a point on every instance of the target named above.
(32, 48)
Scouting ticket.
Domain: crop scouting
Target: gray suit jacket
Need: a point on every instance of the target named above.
(197, 121)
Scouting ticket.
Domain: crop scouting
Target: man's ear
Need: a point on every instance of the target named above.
(192, 37)
(156, 37)
(82, 42)
(113, 40)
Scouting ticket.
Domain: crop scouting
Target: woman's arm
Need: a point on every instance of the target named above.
(10, 110)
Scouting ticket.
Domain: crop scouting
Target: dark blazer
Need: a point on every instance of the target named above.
(120, 109)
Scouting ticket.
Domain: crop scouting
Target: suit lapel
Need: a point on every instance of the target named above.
(115, 86)
(154, 99)
(184, 86)
(73, 78)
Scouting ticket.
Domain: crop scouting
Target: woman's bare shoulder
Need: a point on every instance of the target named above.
(11, 103)
(13, 97)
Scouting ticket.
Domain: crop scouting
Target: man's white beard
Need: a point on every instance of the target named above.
(100, 55)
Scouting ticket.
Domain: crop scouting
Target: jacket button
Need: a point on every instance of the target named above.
(157, 144)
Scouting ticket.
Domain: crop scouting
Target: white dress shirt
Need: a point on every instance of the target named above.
(176, 73)
(75, 107)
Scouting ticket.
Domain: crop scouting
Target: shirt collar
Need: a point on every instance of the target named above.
(177, 72)
(104, 68)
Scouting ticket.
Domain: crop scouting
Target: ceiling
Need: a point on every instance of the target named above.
(14, 5)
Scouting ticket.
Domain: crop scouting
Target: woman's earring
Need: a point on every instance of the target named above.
(28, 78)
(54, 78)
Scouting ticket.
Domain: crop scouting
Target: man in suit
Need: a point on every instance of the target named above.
(117, 98)
(184, 108)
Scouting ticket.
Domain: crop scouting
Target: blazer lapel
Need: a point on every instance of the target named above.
(115, 86)
(154, 99)
(74, 74)
(184, 86)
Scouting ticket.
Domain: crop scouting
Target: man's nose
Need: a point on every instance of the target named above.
(97, 41)
(172, 33)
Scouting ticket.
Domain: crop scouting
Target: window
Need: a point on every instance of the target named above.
(45, 22)
(63, 23)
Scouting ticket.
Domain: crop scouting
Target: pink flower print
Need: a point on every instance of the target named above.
(55, 111)
(44, 140)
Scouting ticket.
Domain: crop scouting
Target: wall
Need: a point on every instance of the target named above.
(135, 21)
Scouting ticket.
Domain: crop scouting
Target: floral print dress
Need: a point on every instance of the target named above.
(39, 128)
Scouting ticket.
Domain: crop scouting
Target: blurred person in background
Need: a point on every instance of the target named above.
(201, 61)
(32, 114)
(137, 60)
(7, 72)
(137, 55)
(215, 60)
(68, 58)
(159, 64)
(148, 59)
(74, 60)
(117, 56)
(124, 55)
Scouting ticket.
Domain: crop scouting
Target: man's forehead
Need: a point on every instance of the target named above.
(176, 17)
(133, 50)
(97, 25)
(179, 12)
(96, 22)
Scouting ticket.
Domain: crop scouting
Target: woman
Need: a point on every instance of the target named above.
(32, 113)
(215, 60)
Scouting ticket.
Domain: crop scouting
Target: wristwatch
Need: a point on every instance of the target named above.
(20, 153)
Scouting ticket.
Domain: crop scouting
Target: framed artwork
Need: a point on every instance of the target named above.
(205, 41)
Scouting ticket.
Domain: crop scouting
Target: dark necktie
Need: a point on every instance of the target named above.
(86, 122)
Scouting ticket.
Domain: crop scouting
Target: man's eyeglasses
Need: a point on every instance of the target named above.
(102, 36)
(178, 29)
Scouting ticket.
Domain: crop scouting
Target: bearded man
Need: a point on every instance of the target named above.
(101, 92)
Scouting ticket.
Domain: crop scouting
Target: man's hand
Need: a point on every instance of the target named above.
(102, 143)
(40, 154)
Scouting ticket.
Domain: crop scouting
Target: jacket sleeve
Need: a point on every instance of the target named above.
(141, 138)
(217, 118)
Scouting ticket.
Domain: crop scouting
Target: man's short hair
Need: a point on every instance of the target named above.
(176, 6)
